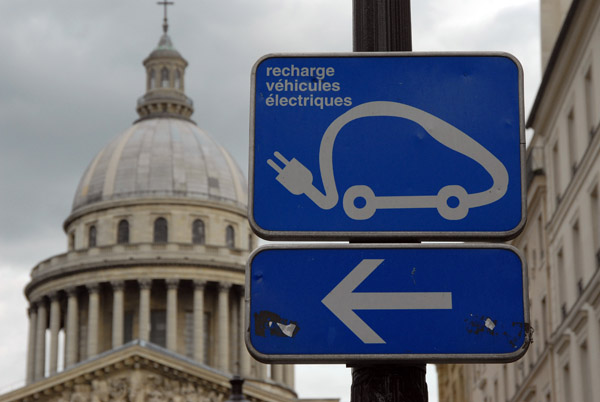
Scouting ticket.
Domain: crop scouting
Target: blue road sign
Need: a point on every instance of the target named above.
(387, 145)
(427, 303)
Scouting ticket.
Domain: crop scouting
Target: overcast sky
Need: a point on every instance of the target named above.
(71, 73)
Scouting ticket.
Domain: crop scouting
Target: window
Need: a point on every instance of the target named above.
(566, 383)
(207, 337)
(72, 240)
(556, 171)
(589, 102)
(178, 80)
(540, 230)
(92, 236)
(152, 79)
(536, 335)
(123, 232)
(505, 380)
(496, 391)
(250, 242)
(198, 232)
(158, 327)
(82, 336)
(572, 141)
(188, 334)
(586, 370)
(160, 230)
(230, 237)
(595, 209)
(562, 283)
(164, 77)
(576, 240)
(544, 319)
(128, 326)
(534, 262)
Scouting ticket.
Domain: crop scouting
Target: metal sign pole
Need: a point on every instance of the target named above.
(382, 26)
(385, 25)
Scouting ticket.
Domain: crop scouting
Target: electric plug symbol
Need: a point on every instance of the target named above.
(297, 179)
(294, 176)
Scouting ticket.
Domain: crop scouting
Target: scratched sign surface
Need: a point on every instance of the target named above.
(347, 303)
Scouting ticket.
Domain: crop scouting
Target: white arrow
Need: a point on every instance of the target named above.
(342, 301)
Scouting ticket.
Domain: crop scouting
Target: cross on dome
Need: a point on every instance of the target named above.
(165, 4)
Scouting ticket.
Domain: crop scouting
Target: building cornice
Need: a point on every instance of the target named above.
(552, 62)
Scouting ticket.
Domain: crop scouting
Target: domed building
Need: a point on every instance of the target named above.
(148, 301)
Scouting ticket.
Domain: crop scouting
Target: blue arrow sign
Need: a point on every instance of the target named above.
(350, 303)
(380, 145)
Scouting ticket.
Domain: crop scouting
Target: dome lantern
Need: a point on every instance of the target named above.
(165, 71)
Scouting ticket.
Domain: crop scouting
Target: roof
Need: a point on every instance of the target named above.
(165, 48)
(143, 369)
(158, 158)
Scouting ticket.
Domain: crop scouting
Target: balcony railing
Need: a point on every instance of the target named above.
(148, 98)
(141, 251)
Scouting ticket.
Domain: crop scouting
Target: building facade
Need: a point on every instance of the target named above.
(147, 304)
(561, 241)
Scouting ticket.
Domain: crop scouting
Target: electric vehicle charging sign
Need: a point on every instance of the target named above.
(426, 302)
(380, 145)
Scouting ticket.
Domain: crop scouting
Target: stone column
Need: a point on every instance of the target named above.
(30, 376)
(93, 315)
(223, 327)
(245, 363)
(72, 341)
(54, 328)
(172, 314)
(40, 339)
(199, 321)
(574, 367)
(144, 325)
(277, 373)
(288, 375)
(593, 345)
(261, 369)
(118, 313)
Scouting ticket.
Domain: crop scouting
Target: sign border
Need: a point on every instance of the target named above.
(387, 358)
(290, 235)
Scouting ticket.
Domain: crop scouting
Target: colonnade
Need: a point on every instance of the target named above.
(61, 310)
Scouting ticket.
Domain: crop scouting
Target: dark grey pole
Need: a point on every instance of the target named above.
(385, 26)
(382, 26)
(394, 383)
(237, 395)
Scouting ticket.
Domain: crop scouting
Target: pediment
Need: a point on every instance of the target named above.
(137, 372)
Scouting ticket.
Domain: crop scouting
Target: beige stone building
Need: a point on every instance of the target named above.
(562, 238)
(147, 302)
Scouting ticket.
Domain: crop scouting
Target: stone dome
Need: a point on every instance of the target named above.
(162, 158)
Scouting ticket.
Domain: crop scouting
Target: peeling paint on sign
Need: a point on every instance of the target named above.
(264, 321)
